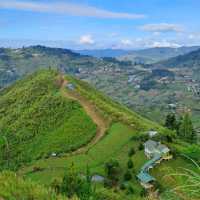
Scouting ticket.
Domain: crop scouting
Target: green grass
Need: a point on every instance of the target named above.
(111, 146)
(164, 172)
(112, 110)
(33, 114)
(15, 188)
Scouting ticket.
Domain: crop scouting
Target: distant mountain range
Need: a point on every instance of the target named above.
(99, 53)
(150, 55)
(190, 60)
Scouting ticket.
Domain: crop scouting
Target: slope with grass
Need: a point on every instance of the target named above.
(13, 187)
(33, 113)
(116, 125)
(82, 126)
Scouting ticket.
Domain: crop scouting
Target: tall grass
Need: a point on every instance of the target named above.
(189, 189)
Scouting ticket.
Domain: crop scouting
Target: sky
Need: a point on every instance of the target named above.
(100, 24)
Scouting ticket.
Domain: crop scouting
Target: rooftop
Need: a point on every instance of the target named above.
(145, 177)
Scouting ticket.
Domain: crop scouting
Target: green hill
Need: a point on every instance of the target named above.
(33, 114)
(49, 121)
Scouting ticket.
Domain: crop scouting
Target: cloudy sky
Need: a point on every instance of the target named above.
(92, 24)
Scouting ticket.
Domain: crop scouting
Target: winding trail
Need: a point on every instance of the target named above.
(90, 109)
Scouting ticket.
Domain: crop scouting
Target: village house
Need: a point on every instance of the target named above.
(152, 147)
(156, 152)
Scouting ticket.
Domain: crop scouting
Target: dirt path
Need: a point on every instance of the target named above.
(102, 125)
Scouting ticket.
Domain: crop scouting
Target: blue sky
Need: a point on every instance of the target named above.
(80, 24)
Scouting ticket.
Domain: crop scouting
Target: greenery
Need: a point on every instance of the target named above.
(130, 164)
(34, 114)
(171, 121)
(112, 171)
(13, 187)
(186, 129)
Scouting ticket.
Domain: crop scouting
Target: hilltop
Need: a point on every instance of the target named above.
(34, 113)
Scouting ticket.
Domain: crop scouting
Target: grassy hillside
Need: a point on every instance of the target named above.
(15, 188)
(110, 109)
(40, 115)
(33, 113)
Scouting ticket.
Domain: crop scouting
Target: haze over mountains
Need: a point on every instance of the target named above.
(150, 55)
(189, 60)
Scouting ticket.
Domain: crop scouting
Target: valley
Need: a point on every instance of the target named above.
(73, 124)
(99, 100)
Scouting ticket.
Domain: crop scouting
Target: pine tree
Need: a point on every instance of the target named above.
(171, 121)
(186, 129)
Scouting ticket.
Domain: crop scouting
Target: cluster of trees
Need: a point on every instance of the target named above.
(75, 185)
(183, 127)
(80, 187)
(117, 178)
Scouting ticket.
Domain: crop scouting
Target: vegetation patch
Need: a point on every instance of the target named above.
(33, 114)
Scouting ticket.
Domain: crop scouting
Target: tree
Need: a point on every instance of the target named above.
(112, 170)
(186, 129)
(55, 185)
(171, 121)
(71, 182)
(85, 191)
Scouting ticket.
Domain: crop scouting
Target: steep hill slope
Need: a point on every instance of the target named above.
(190, 60)
(41, 111)
(33, 113)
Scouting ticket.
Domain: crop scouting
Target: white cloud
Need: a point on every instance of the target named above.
(126, 42)
(66, 8)
(86, 39)
(162, 28)
(165, 43)
(194, 36)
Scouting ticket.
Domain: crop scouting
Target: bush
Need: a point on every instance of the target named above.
(130, 164)
(130, 190)
(122, 186)
(140, 147)
(143, 192)
(127, 176)
(131, 152)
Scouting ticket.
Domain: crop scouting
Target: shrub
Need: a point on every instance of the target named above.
(130, 190)
(122, 186)
(130, 164)
(131, 152)
(127, 176)
(140, 147)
